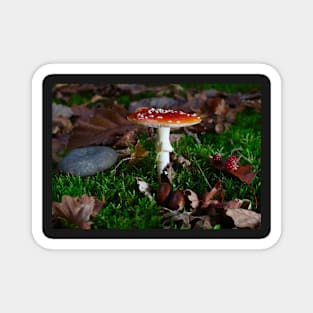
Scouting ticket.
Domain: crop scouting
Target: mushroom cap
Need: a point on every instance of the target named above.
(156, 118)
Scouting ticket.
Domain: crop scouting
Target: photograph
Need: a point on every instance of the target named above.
(133, 156)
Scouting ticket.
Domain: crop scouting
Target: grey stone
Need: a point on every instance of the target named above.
(157, 102)
(88, 161)
(61, 110)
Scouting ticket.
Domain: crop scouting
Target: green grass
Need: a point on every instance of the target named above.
(126, 208)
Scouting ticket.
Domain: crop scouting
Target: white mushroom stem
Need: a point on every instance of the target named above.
(163, 147)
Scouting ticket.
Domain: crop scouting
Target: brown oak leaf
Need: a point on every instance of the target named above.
(192, 199)
(244, 173)
(103, 126)
(77, 210)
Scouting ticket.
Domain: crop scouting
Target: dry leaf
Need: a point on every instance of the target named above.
(239, 204)
(159, 102)
(96, 98)
(82, 112)
(209, 196)
(144, 188)
(192, 198)
(61, 110)
(139, 154)
(180, 160)
(170, 218)
(86, 134)
(103, 126)
(77, 210)
(201, 222)
(61, 126)
(244, 218)
(135, 89)
(244, 173)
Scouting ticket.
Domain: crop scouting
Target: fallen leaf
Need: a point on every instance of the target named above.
(86, 134)
(144, 188)
(61, 110)
(103, 126)
(139, 153)
(192, 198)
(244, 173)
(96, 98)
(154, 102)
(209, 196)
(77, 210)
(201, 222)
(244, 218)
(180, 160)
(129, 138)
(135, 89)
(132, 89)
(61, 126)
(217, 109)
(239, 204)
(163, 193)
(110, 115)
(233, 204)
(175, 138)
(63, 91)
(82, 112)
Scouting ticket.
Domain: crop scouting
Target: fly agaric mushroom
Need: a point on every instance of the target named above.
(163, 120)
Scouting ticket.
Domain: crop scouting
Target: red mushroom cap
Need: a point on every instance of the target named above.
(163, 118)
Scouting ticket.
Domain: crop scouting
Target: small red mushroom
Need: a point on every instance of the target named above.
(217, 157)
(232, 163)
(163, 120)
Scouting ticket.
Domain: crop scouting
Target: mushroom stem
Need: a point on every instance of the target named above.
(163, 147)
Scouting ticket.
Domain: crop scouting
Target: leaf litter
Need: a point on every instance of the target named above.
(77, 210)
(185, 209)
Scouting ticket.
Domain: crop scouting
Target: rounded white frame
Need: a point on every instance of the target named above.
(163, 244)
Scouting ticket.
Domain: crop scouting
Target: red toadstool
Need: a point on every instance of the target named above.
(163, 120)
(232, 163)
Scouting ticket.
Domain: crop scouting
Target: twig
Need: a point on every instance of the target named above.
(120, 162)
(193, 135)
(206, 180)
